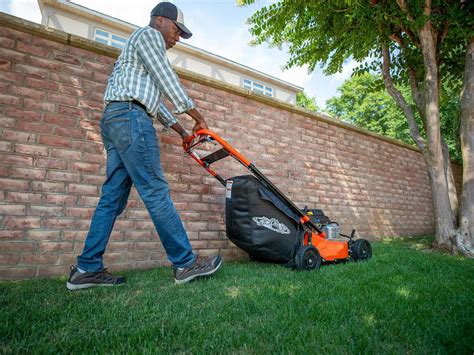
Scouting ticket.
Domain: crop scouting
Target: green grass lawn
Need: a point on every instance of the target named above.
(407, 299)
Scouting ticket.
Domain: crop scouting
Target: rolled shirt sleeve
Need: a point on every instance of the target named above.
(165, 117)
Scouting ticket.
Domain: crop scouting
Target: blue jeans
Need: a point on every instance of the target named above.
(133, 156)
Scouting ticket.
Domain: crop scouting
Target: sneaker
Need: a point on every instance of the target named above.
(202, 266)
(78, 280)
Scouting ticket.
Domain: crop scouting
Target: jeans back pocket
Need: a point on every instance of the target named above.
(119, 132)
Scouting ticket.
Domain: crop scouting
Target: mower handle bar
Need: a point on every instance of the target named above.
(204, 135)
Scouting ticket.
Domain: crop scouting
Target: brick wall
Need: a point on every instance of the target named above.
(52, 161)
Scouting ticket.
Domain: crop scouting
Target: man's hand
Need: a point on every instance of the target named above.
(187, 140)
(200, 125)
(200, 122)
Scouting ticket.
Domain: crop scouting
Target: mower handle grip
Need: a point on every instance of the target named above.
(188, 142)
(204, 135)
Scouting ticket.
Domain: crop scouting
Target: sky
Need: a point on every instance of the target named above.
(218, 27)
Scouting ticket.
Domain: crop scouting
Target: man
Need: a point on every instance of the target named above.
(141, 75)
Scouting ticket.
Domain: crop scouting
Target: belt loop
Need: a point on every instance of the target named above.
(130, 105)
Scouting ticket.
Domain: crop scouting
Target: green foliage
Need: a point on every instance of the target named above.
(330, 32)
(307, 102)
(363, 102)
(407, 299)
(450, 111)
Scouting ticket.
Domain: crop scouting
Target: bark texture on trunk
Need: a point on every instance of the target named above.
(465, 235)
(453, 197)
(444, 218)
(432, 151)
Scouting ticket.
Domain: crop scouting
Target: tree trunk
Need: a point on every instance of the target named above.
(453, 197)
(444, 219)
(431, 149)
(465, 233)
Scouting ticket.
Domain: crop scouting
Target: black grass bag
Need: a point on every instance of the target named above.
(258, 222)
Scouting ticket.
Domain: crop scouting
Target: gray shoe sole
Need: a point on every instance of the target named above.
(180, 282)
(73, 287)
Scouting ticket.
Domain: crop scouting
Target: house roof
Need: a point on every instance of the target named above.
(128, 27)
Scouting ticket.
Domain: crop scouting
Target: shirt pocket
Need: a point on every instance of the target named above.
(119, 131)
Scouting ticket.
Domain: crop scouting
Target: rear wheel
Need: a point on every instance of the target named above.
(307, 258)
(361, 250)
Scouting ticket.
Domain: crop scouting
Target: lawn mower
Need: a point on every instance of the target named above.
(266, 224)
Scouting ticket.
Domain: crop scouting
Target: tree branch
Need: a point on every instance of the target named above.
(441, 36)
(396, 38)
(417, 95)
(427, 9)
(412, 36)
(443, 33)
(413, 78)
(402, 4)
(400, 100)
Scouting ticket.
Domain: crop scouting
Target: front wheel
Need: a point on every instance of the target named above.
(361, 250)
(307, 258)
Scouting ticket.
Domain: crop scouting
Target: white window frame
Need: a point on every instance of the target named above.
(257, 87)
(107, 37)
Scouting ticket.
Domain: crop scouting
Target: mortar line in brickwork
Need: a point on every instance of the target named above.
(102, 49)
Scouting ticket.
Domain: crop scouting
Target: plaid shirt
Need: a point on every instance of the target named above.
(143, 73)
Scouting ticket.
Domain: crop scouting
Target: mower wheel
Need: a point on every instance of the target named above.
(307, 258)
(361, 250)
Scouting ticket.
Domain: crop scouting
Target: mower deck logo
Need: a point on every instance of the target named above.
(272, 224)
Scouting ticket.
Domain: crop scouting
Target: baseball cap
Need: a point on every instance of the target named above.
(169, 10)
